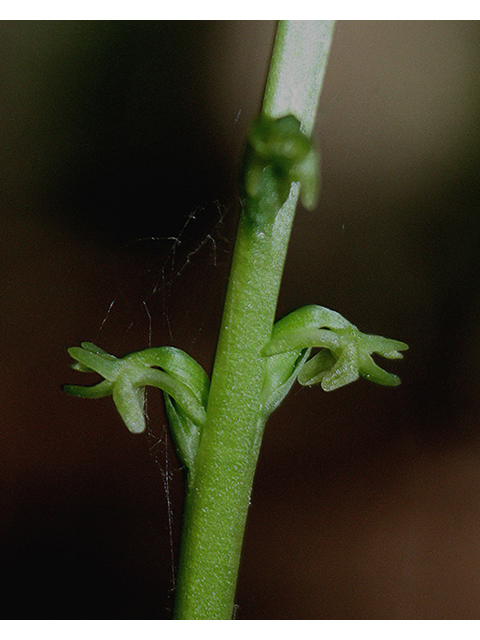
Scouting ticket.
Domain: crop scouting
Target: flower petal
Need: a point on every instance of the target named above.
(372, 372)
(302, 339)
(100, 390)
(383, 346)
(107, 366)
(315, 369)
(178, 364)
(183, 396)
(89, 346)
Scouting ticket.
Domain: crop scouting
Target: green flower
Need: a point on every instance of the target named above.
(345, 352)
(278, 153)
(183, 381)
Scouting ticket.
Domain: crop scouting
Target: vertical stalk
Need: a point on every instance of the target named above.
(218, 497)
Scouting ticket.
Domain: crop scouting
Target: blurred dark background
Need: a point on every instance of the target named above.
(120, 143)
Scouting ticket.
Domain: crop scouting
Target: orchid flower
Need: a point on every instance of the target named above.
(345, 352)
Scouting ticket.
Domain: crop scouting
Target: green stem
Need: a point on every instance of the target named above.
(219, 493)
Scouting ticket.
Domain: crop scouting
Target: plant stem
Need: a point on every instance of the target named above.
(219, 493)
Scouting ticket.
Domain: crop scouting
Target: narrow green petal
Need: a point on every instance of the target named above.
(372, 372)
(315, 369)
(301, 339)
(178, 364)
(308, 174)
(185, 398)
(107, 367)
(306, 319)
(383, 346)
(78, 366)
(89, 346)
(100, 390)
(311, 316)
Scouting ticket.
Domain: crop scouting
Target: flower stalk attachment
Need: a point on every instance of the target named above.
(217, 426)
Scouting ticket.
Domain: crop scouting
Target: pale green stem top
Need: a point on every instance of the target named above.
(296, 72)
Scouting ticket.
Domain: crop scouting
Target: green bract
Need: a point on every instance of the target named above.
(345, 352)
(278, 153)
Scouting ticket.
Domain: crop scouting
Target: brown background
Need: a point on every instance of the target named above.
(114, 136)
